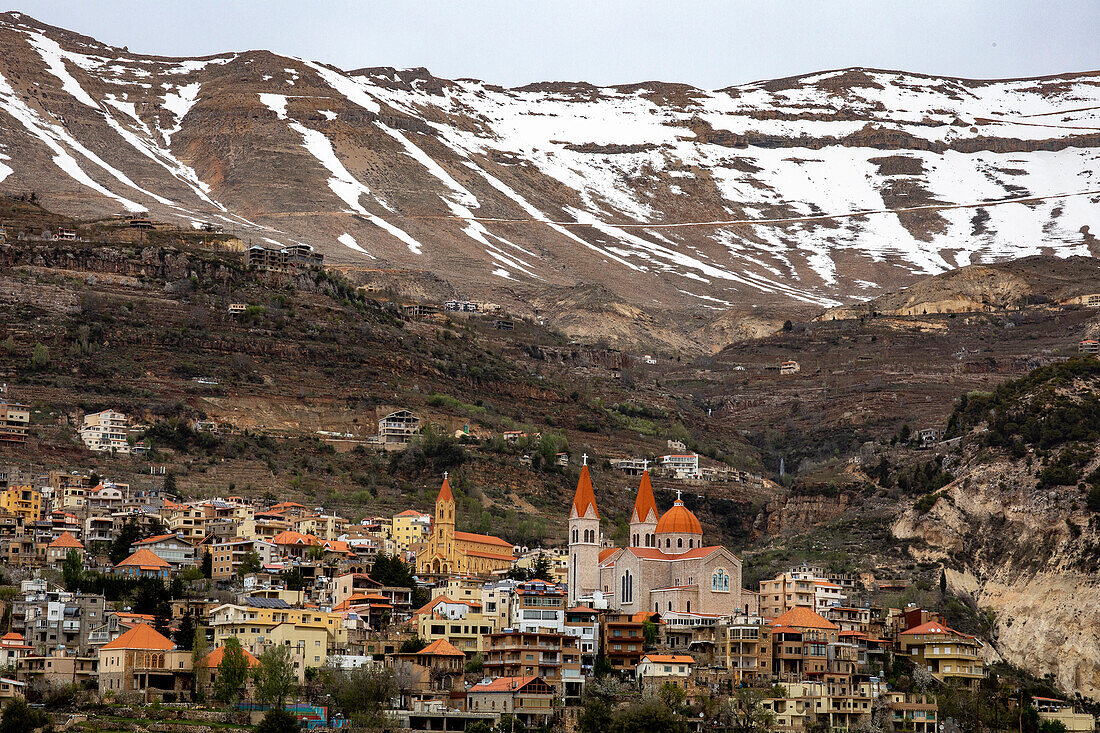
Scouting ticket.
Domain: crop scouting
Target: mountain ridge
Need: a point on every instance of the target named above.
(812, 191)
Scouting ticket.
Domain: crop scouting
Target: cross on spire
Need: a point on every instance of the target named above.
(677, 494)
(445, 474)
(645, 464)
(584, 459)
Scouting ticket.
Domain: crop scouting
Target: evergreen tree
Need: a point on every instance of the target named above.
(542, 569)
(185, 634)
(72, 572)
(278, 720)
(198, 656)
(129, 533)
(250, 563)
(19, 717)
(207, 565)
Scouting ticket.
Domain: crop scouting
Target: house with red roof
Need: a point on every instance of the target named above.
(59, 549)
(173, 548)
(530, 699)
(655, 671)
(143, 564)
(951, 656)
(436, 669)
(144, 661)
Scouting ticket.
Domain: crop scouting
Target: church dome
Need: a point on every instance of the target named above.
(680, 520)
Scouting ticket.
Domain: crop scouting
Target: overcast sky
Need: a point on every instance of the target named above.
(707, 43)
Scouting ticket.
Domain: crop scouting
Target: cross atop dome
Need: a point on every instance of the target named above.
(584, 459)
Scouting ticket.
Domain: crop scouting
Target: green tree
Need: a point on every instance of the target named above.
(744, 711)
(413, 645)
(361, 694)
(649, 632)
(250, 563)
(184, 635)
(232, 672)
(19, 717)
(198, 663)
(278, 720)
(542, 569)
(129, 533)
(72, 571)
(40, 358)
(275, 677)
(207, 565)
(647, 716)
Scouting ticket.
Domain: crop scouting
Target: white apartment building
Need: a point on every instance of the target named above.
(685, 465)
(106, 431)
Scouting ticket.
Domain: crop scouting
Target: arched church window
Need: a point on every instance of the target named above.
(679, 542)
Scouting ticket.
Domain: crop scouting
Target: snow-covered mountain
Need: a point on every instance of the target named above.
(819, 189)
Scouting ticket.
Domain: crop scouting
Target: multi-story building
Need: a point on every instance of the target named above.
(106, 431)
(680, 465)
(462, 623)
(144, 660)
(805, 645)
(49, 619)
(622, 639)
(849, 618)
(554, 657)
(22, 501)
(654, 671)
(395, 429)
(800, 587)
(538, 606)
(172, 548)
(744, 648)
(14, 422)
(58, 550)
(410, 528)
(584, 624)
(948, 654)
(262, 622)
(530, 699)
(227, 555)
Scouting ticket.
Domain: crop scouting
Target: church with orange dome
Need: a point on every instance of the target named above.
(666, 567)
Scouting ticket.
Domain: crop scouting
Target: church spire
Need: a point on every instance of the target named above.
(645, 504)
(585, 496)
(445, 490)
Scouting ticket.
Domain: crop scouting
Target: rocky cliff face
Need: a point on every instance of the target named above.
(818, 190)
(1030, 555)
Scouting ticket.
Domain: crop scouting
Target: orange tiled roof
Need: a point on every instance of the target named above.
(445, 491)
(411, 513)
(155, 539)
(669, 658)
(67, 540)
(585, 496)
(442, 648)
(679, 519)
(144, 558)
(290, 537)
(503, 684)
(214, 658)
(803, 617)
(645, 504)
(141, 636)
(606, 553)
(484, 538)
(934, 627)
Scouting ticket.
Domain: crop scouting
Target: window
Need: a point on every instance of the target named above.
(679, 541)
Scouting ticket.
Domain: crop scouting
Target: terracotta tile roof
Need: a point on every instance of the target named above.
(581, 609)
(445, 491)
(490, 556)
(290, 537)
(411, 513)
(669, 658)
(934, 627)
(606, 553)
(503, 684)
(645, 505)
(67, 540)
(144, 558)
(585, 496)
(803, 617)
(441, 648)
(679, 519)
(157, 538)
(484, 538)
(214, 658)
(141, 636)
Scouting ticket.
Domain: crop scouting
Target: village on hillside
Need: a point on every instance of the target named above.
(137, 598)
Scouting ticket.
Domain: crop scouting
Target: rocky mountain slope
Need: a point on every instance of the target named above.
(1018, 529)
(814, 190)
(1002, 286)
